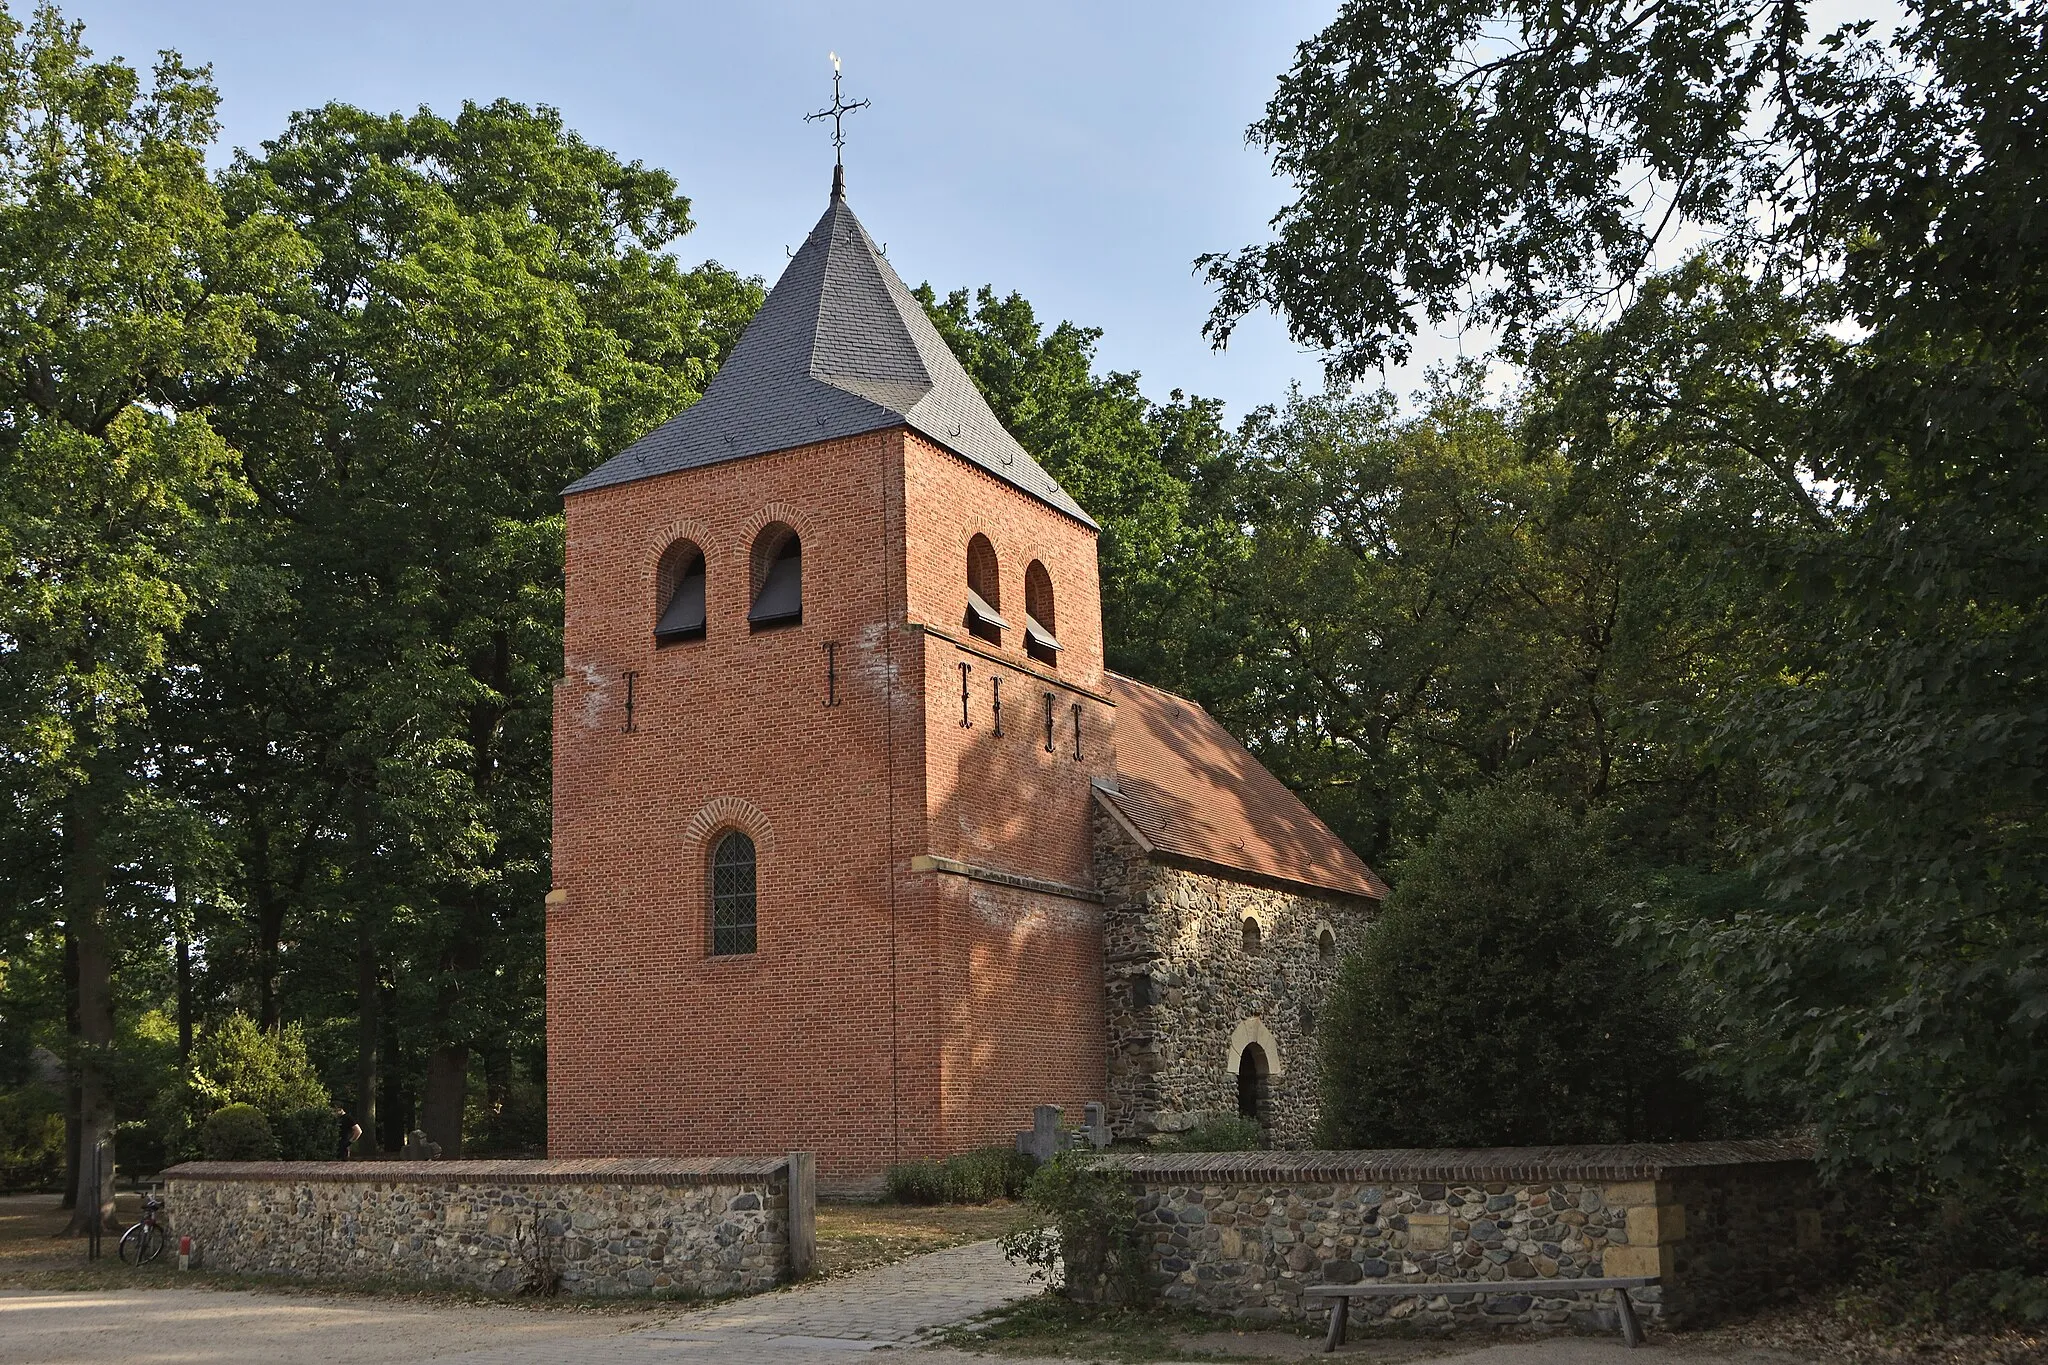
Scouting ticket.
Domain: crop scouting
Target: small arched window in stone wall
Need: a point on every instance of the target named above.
(1326, 944)
(1040, 619)
(679, 589)
(984, 592)
(1252, 1085)
(1251, 934)
(778, 574)
(733, 916)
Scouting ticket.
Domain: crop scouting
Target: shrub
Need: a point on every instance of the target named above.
(1085, 1235)
(31, 1138)
(1494, 1004)
(981, 1176)
(916, 1182)
(1220, 1133)
(987, 1174)
(309, 1134)
(237, 1132)
(235, 1062)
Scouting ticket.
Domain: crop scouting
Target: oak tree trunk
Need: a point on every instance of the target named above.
(443, 1096)
(86, 871)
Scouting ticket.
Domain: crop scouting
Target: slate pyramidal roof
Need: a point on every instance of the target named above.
(839, 349)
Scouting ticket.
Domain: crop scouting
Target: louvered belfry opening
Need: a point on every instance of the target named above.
(778, 561)
(984, 592)
(680, 587)
(732, 896)
(1039, 619)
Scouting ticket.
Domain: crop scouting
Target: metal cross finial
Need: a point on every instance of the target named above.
(837, 113)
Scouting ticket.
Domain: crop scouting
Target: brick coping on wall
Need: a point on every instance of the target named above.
(1461, 1165)
(566, 1171)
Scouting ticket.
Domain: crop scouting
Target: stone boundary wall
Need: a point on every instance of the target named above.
(1726, 1224)
(728, 1226)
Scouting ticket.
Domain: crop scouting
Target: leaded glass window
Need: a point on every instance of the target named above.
(732, 895)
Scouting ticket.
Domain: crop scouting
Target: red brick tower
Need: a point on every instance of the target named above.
(831, 705)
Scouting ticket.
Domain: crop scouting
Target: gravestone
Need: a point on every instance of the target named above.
(1046, 1139)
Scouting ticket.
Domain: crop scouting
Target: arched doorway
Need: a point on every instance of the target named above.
(1252, 1073)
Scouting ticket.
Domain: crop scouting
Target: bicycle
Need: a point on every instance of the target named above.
(144, 1242)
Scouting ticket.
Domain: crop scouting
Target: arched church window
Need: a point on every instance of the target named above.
(984, 592)
(732, 895)
(680, 590)
(1252, 1073)
(1039, 619)
(1251, 934)
(778, 562)
(1326, 944)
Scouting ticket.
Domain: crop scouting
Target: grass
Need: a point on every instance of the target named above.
(862, 1236)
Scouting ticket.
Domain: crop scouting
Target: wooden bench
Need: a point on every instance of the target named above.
(1341, 1296)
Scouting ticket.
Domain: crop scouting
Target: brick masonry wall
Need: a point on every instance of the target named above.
(1180, 986)
(887, 1012)
(1727, 1225)
(1016, 976)
(711, 1229)
(656, 1047)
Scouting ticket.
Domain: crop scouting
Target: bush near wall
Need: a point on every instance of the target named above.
(1495, 1004)
(237, 1132)
(981, 1176)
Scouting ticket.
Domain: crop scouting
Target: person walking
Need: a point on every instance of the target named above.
(347, 1130)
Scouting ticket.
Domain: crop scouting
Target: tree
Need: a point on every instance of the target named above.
(1493, 1003)
(118, 286)
(486, 313)
(1863, 323)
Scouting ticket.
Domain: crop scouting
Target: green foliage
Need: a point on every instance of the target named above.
(487, 309)
(1494, 1003)
(121, 284)
(235, 1062)
(1085, 1233)
(309, 1134)
(31, 1138)
(1860, 330)
(981, 1176)
(1219, 1133)
(237, 1132)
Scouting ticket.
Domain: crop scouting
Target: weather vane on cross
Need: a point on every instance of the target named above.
(837, 113)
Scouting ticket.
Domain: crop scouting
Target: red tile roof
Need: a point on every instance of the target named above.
(1187, 790)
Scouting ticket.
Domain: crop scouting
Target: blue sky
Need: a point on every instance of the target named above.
(1082, 154)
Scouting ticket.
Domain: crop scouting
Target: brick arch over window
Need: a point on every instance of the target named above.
(1041, 619)
(721, 814)
(984, 591)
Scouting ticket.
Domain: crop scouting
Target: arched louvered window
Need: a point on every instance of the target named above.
(680, 584)
(732, 895)
(984, 592)
(1040, 621)
(778, 561)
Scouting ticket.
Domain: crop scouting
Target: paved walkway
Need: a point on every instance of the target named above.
(897, 1305)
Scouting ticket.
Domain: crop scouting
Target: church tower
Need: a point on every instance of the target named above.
(832, 720)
